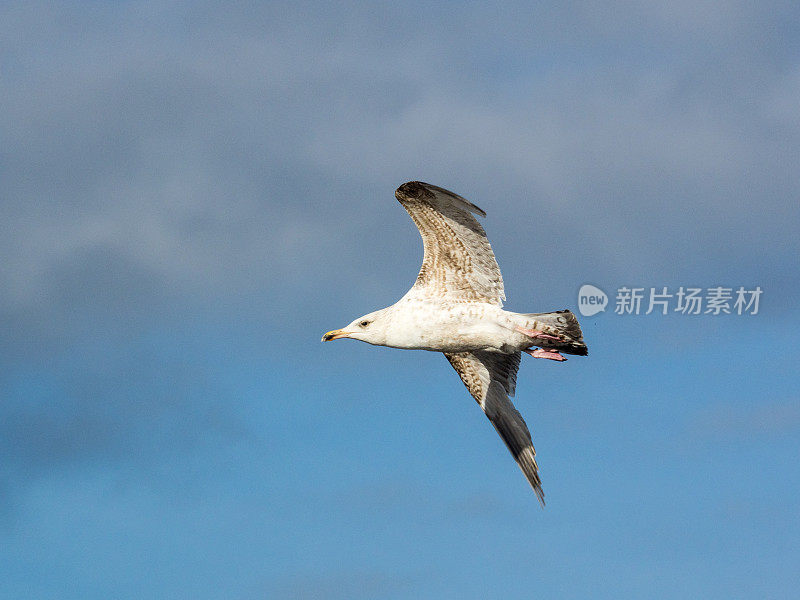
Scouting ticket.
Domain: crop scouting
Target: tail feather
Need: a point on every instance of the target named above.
(564, 324)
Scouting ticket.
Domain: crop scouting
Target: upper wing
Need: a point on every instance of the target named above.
(491, 378)
(458, 262)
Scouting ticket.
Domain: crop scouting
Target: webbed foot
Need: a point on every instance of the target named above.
(546, 353)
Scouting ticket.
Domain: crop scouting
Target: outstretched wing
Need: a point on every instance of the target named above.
(458, 263)
(491, 378)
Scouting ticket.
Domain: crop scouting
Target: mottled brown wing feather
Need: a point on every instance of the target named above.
(458, 262)
(491, 379)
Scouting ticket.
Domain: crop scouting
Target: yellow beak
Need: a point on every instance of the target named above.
(334, 335)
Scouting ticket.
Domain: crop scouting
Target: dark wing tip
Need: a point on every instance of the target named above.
(419, 190)
(412, 190)
(527, 463)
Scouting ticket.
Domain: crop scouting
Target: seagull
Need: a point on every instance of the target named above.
(456, 307)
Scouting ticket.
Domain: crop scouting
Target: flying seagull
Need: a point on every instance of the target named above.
(455, 307)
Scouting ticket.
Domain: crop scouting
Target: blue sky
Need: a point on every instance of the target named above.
(190, 195)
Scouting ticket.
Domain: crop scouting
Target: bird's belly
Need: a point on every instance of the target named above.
(475, 339)
(456, 331)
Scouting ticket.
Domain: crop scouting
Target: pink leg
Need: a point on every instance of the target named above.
(544, 353)
(535, 333)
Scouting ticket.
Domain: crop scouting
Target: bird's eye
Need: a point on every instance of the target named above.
(364, 323)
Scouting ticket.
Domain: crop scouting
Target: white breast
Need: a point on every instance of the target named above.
(446, 327)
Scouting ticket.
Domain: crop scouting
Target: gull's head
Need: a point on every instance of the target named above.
(370, 328)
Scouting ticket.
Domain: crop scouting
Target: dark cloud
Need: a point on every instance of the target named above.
(211, 151)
